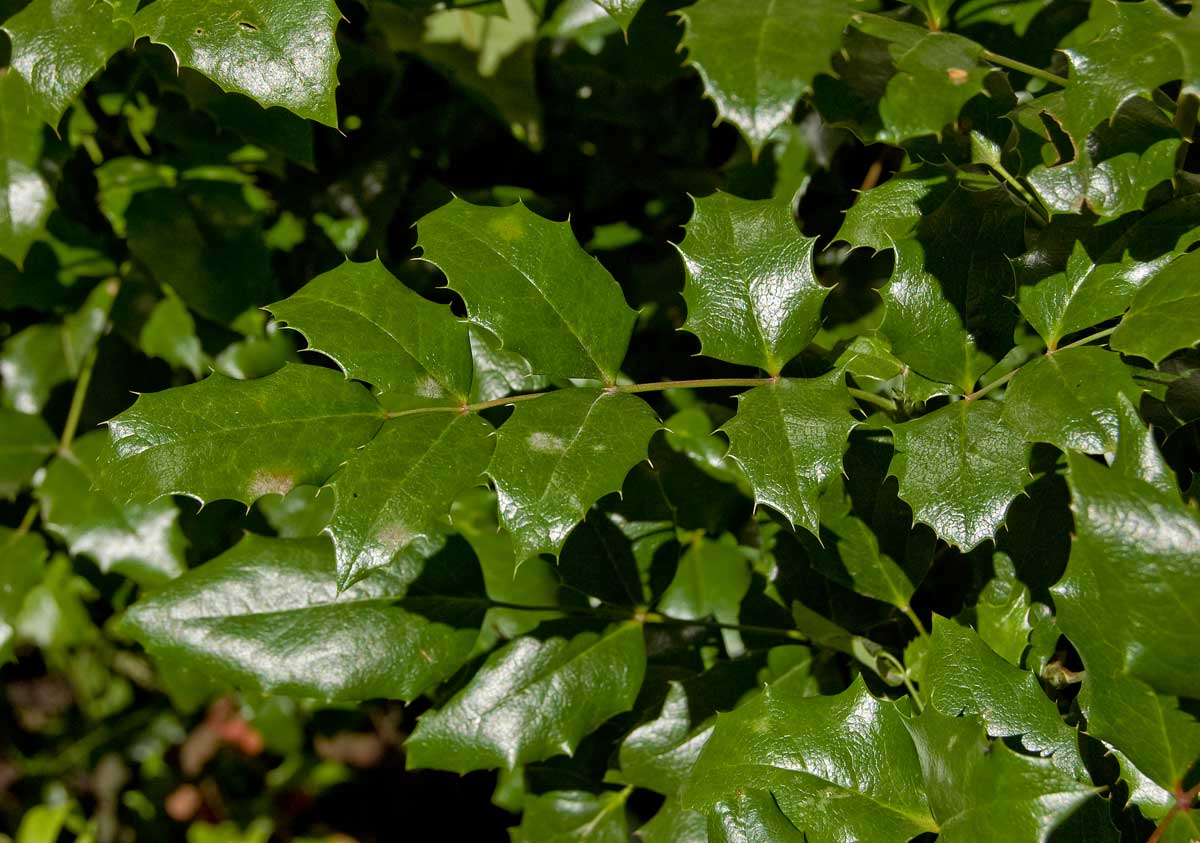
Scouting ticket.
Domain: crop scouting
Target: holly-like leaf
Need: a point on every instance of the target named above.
(745, 54)
(1165, 313)
(573, 816)
(1070, 399)
(139, 540)
(710, 582)
(558, 455)
(527, 280)
(222, 438)
(885, 215)
(534, 698)
(24, 559)
(1137, 454)
(622, 11)
(751, 293)
(397, 490)
(788, 437)
(266, 615)
(1002, 614)
(25, 197)
(25, 443)
(820, 760)
(274, 52)
(499, 371)
(170, 334)
(1134, 554)
(32, 363)
(752, 816)
(966, 676)
(674, 824)
(412, 351)
(971, 781)
(959, 469)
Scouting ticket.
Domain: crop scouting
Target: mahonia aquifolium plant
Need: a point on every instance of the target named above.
(824, 475)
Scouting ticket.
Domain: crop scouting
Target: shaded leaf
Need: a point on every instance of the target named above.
(25, 443)
(1165, 313)
(25, 197)
(573, 816)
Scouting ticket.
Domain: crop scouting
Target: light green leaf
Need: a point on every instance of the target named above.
(1001, 614)
(32, 363)
(534, 698)
(267, 616)
(746, 55)
(498, 371)
(573, 816)
(82, 329)
(622, 11)
(674, 824)
(972, 781)
(559, 454)
(412, 351)
(526, 279)
(276, 53)
(1165, 313)
(222, 438)
(788, 437)
(959, 469)
(1071, 399)
(751, 292)
(139, 540)
(24, 557)
(25, 443)
(25, 197)
(840, 766)
(752, 816)
(1133, 554)
(170, 334)
(397, 490)
(710, 582)
(885, 215)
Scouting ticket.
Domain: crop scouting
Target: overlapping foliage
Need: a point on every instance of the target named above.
(865, 511)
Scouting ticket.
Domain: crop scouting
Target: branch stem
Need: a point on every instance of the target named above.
(1022, 67)
(77, 400)
(1005, 378)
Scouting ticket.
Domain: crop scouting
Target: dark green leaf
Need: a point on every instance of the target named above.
(1165, 313)
(25, 198)
(25, 443)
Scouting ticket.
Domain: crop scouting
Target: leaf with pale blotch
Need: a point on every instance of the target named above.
(1070, 399)
(267, 616)
(747, 57)
(622, 11)
(534, 698)
(412, 351)
(971, 781)
(837, 767)
(1134, 554)
(397, 490)
(25, 197)
(1164, 315)
(963, 675)
(573, 816)
(527, 280)
(788, 437)
(24, 557)
(561, 453)
(142, 541)
(274, 52)
(222, 438)
(751, 293)
(58, 46)
(959, 469)
(25, 443)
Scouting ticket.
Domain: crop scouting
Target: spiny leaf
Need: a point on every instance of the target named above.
(397, 490)
(412, 351)
(1165, 313)
(788, 437)
(527, 280)
(25, 443)
(25, 197)
(834, 766)
(751, 292)
(266, 615)
(222, 438)
(573, 816)
(622, 11)
(674, 824)
(959, 469)
(1137, 455)
(561, 453)
(532, 699)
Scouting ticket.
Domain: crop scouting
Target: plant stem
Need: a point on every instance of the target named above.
(1003, 379)
(1029, 69)
(872, 398)
(699, 383)
(77, 399)
(912, 690)
(916, 621)
(1183, 804)
(1033, 203)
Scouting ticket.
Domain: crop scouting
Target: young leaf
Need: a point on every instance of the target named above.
(526, 279)
(558, 455)
(959, 469)
(751, 293)
(222, 438)
(25, 443)
(266, 615)
(397, 490)
(25, 197)
(1165, 313)
(573, 816)
(788, 437)
(412, 351)
(841, 765)
(532, 699)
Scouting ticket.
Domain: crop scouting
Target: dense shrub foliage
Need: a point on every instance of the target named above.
(744, 420)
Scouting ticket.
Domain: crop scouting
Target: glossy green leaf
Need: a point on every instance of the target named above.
(788, 437)
(752, 816)
(267, 615)
(222, 438)
(25, 443)
(573, 816)
(32, 363)
(397, 490)
(526, 279)
(1002, 614)
(710, 582)
(25, 197)
(1164, 313)
(24, 558)
(412, 351)
(745, 54)
(534, 698)
(622, 11)
(558, 455)
(959, 468)
(1137, 454)
(170, 334)
(751, 293)
(674, 824)
(820, 760)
